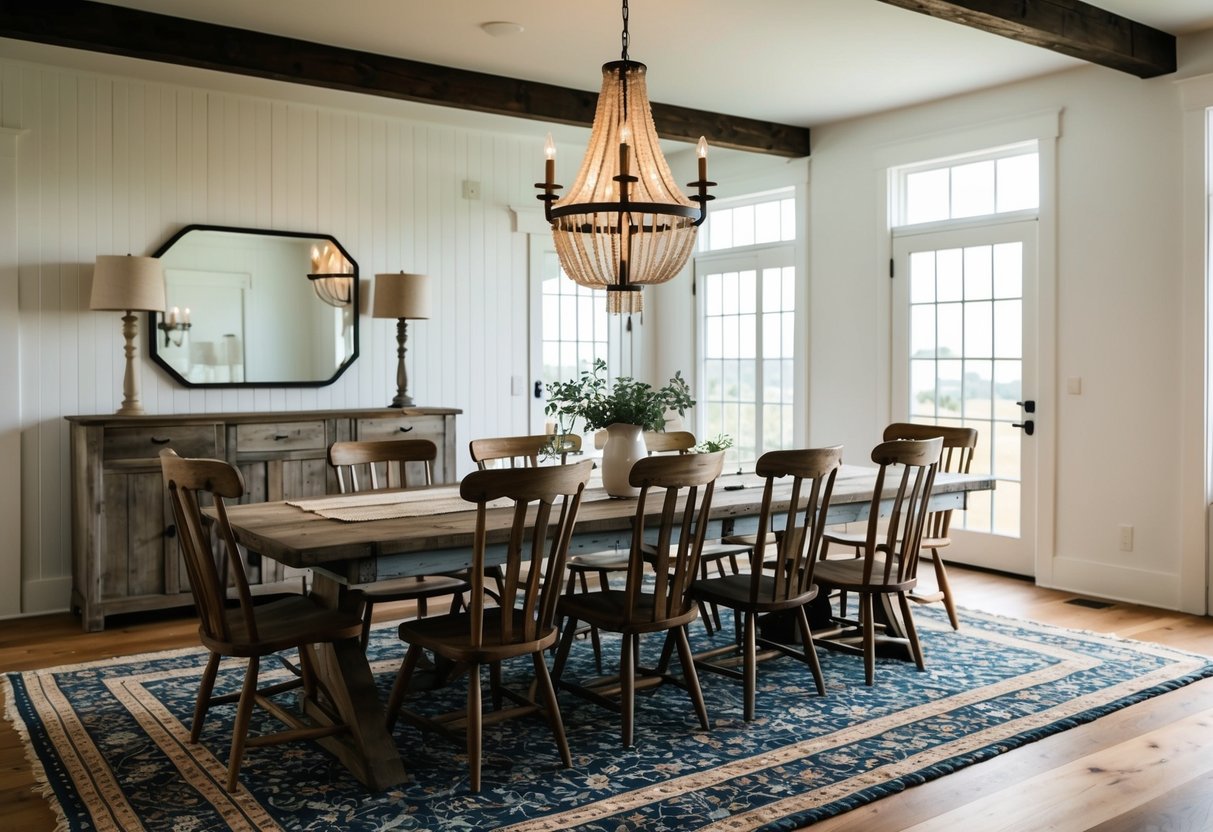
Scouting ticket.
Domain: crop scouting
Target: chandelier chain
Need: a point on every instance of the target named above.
(624, 37)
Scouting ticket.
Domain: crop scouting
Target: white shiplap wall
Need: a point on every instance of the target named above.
(111, 165)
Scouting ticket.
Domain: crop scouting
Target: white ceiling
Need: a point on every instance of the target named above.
(799, 62)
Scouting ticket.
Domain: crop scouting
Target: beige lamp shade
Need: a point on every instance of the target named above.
(402, 295)
(126, 283)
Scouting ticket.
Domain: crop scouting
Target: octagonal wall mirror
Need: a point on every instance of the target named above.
(250, 307)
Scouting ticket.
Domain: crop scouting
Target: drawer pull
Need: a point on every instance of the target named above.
(157, 440)
(405, 428)
(278, 437)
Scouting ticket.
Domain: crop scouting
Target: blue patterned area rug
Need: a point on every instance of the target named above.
(109, 740)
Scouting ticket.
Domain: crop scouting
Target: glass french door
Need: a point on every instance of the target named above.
(964, 350)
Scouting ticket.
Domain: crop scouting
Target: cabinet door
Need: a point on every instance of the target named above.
(139, 538)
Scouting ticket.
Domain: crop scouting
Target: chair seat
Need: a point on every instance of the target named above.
(856, 539)
(450, 636)
(608, 610)
(733, 591)
(748, 540)
(282, 625)
(848, 575)
(712, 550)
(608, 561)
(407, 589)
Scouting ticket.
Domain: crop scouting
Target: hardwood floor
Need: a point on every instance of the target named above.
(1146, 767)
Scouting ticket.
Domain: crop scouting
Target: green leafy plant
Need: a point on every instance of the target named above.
(710, 446)
(588, 399)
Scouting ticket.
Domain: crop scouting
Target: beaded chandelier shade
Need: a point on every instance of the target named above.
(624, 223)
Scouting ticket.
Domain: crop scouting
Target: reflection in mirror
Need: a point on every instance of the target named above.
(253, 307)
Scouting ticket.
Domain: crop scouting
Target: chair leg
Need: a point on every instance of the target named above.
(941, 580)
(204, 696)
(691, 676)
(495, 685)
(474, 726)
(867, 619)
(552, 708)
(562, 653)
(911, 632)
(627, 687)
(401, 686)
(244, 710)
(810, 650)
(365, 636)
(749, 667)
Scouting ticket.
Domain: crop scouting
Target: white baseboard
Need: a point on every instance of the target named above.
(47, 595)
(1116, 583)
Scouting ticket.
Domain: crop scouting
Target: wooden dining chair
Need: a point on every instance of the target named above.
(603, 564)
(781, 580)
(519, 451)
(888, 561)
(523, 624)
(245, 631)
(371, 466)
(959, 446)
(665, 607)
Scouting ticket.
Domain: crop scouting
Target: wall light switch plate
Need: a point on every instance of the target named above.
(1074, 386)
(471, 190)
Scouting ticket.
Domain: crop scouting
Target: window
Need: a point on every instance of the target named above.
(573, 324)
(975, 187)
(746, 283)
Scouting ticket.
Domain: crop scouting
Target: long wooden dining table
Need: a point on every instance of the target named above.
(435, 536)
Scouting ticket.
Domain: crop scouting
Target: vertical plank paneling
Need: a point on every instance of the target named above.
(113, 165)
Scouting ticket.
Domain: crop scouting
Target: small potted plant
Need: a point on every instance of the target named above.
(625, 409)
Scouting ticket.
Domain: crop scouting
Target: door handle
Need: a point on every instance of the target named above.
(539, 389)
(1029, 427)
(1029, 406)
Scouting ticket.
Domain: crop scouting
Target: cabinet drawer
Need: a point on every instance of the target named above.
(147, 442)
(280, 436)
(403, 427)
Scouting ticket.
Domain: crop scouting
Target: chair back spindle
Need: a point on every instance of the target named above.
(540, 528)
(688, 482)
(894, 550)
(798, 544)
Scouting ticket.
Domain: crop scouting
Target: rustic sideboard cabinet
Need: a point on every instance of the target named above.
(124, 550)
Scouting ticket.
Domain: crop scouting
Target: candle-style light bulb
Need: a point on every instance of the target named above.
(701, 150)
(172, 316)
(186, 317)
(625, 134)
(549, 163)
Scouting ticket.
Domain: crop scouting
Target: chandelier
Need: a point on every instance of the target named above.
(624, 223)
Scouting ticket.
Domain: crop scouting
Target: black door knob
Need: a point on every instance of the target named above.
(1029, 427)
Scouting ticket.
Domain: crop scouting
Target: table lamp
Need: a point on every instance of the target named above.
(403, 297)
(128, 284)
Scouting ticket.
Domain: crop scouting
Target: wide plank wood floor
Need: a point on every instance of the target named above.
(1147, 767)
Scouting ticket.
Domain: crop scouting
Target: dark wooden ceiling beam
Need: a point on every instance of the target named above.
(99, 27)
(1070, 27)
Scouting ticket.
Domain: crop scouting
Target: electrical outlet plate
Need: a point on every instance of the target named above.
(1126, 538)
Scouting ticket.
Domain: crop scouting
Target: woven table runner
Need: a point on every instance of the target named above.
(388, 505)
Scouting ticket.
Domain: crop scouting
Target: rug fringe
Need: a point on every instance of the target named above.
(42, 786)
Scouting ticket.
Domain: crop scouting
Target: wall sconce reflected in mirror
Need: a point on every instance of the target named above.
(175, 323)
(331, 276)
